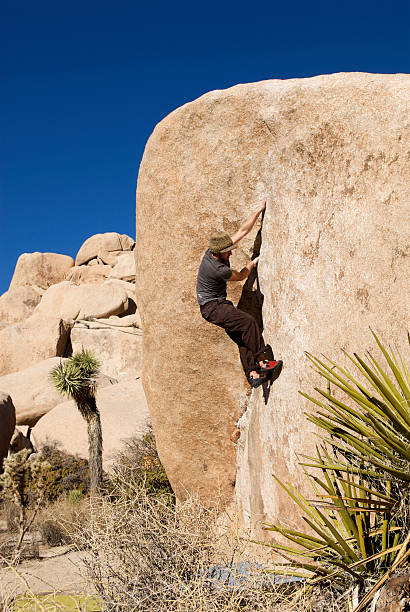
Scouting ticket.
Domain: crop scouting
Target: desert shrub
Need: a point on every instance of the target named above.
(52, 533)
(138, 464)
(58, 521)
(67, 472)
(147, 555)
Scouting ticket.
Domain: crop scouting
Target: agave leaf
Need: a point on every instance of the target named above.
(396, 371)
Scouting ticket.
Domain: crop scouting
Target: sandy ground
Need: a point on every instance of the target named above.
(57, 570)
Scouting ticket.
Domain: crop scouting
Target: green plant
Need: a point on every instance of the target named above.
(360, 517)
(67, 472)
(74, 496)
(138, 464)
(77, 378)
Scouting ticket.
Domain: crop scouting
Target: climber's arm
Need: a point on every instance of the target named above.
(249, 223)
(244, 273)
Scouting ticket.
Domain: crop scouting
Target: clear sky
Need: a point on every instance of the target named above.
(84, 83)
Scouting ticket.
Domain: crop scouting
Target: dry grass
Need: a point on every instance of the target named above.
(146, 554)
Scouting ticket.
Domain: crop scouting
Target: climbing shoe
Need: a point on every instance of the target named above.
(271, 367)
(257, 382)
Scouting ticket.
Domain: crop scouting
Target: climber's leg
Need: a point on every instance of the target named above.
(242, 325)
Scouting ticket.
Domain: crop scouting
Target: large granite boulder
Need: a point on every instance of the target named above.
(17, 304)
(40, 269)
(331, 155)
(7, 425)
(101, 245)
(124, 413)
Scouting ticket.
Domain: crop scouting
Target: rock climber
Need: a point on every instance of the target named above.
(213, 274)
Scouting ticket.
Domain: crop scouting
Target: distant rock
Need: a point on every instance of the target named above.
(124, 269)
(35, 339)
(71, 301)
(89, 275)
(117, 348)
(19, 442)
(40, 269)
(101, 245)
(124, 412)
(17, 304)
(7, 425)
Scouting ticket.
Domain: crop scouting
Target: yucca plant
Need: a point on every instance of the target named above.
(76, 378)
(359, 520)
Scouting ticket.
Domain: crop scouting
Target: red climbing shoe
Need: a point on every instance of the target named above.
(271, 367)
(256, 382)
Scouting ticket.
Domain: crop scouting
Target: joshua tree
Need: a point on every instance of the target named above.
(76, 378)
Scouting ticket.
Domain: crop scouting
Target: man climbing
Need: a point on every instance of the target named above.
(213, 274)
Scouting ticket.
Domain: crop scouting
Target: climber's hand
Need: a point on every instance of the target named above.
(262, 205)
(254, 262)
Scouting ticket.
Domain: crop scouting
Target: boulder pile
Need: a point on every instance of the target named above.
(55, 306)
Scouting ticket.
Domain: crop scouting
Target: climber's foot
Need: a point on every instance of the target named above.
(257, 379)
(271, 369)
(270, 366)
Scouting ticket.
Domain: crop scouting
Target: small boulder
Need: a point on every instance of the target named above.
(17, 304)
(72, 301)
(99, 243)
(7, 425)
(40, 269)
(19, 442)
(89, 275)
(124, 412)
(124, 269)
(35, 339)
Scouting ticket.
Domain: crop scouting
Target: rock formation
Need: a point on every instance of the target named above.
(330, 153)
(54, 308)
(7, 425)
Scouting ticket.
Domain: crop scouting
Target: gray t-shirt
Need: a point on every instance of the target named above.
(211, 280)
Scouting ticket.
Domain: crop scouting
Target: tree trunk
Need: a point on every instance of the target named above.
(94, 448)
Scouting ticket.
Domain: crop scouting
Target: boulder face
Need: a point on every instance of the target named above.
(7, 425)
(17, 304)
(330, 155)
(40, 269)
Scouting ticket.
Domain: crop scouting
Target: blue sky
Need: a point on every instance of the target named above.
(84, 83)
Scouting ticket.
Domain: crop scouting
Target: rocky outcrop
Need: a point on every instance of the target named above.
(18, 304)
(330, 154)
(124, 413)
(106, 247)
(7, 425)
(40, 269)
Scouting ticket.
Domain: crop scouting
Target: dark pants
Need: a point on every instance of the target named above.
(241, 327)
